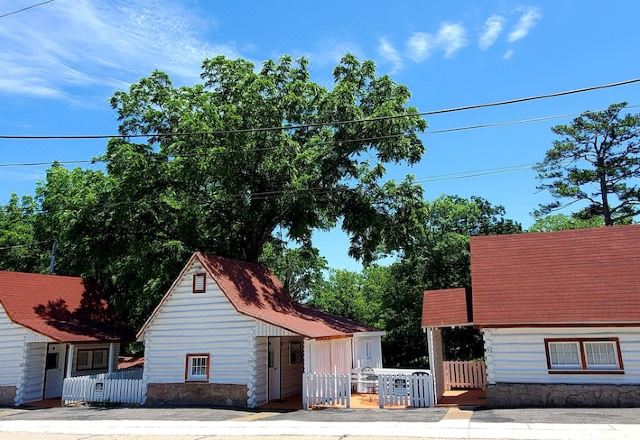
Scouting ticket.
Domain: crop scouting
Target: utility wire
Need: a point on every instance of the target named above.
(26, 9)
(4, 248)
(330, 123)
(374, 138)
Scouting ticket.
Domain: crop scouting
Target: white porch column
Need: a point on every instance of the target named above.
(70, 358)
(110, 363)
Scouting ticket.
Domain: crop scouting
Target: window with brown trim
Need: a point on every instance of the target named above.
(584, 356)
(199, 282)
(196, 368)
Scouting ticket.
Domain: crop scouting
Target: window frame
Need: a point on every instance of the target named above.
(204, 282)
(188, 378)
(90, 359)
(585, 368)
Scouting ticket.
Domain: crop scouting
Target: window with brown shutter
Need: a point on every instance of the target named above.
(199, 282)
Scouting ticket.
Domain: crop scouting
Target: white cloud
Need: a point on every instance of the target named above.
(451, 38)
(526, 22)
(75, 44)
(508, 54)
(389, 53)
(492, 29)
(420, 45)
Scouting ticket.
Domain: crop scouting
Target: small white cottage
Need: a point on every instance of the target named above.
(51, 327)
(226, 333)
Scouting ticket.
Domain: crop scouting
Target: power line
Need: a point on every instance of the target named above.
(26, 9)
(373, 138)
(329, 123)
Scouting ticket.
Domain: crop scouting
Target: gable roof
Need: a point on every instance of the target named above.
(572, 277)
(446, 308)
(62, 308)
(256, 292)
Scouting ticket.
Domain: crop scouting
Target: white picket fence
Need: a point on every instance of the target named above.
(326, 390)
(101, 389)
(464, 374)
(415, 390)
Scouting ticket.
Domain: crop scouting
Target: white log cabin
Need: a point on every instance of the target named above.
(52, 327)
(226, 333)
(559, 313)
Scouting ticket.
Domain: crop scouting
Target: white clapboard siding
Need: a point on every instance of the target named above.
(326, 390)
(92, 389)
(364, 359)
(518, 355)
(34, 372)
(464, 374)
(199, 323)
(414, 390)
(261, 378)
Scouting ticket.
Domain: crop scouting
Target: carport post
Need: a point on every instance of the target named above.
(110, 361)
(70, 360)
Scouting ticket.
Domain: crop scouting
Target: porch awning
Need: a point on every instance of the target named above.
(447, 308)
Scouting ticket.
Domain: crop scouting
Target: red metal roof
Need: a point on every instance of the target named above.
(445, 308)
(255, 291)
(572, 277)
(60, 307)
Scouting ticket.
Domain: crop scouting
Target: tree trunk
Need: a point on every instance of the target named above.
(604, 194)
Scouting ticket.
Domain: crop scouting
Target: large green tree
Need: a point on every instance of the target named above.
(226, 187)
(438, 258)
(596, 160)
(563, 222)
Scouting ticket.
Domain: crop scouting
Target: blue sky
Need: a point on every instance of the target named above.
(60, 63)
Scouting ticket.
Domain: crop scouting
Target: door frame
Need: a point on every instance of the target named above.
(65, 352)
(277, 353)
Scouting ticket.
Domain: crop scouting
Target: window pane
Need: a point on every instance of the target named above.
(198, 367)
(601, 355)
(564, 355)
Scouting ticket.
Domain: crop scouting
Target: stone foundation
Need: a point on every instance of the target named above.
(512, 395)
(197, 394)
(7, 396)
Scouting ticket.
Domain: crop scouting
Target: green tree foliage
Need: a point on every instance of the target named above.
(439, 258)
(563, 222)
(597, 161)
(356, 295)
(17, 231)
(133, 226)
(299, 269)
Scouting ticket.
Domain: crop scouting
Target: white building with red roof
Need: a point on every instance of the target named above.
(227, 333)
(52, 327)
(559, 313)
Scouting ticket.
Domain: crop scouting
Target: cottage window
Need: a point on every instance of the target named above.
(197, 368)
(601, 355)
(584, 355)
(92, 359)
(199, 283)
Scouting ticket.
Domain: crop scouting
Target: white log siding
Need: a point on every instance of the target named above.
(14, 356)
(261, 378)
(517, 355)
(290, 375)
(33, 388)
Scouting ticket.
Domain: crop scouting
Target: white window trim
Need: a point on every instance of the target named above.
(189, 376)
(576, 366)
(585, 367)
(613, 366)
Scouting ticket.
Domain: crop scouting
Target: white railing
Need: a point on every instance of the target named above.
(414, 390)
(326, 390)
(464, 374)
(96, 389)
(122, 374)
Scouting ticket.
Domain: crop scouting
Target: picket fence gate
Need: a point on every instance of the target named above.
(464, 374)
(97, 389)
(415, 390)
(326, 390)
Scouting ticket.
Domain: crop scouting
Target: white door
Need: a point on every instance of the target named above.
(54, 371)
(273, 360)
